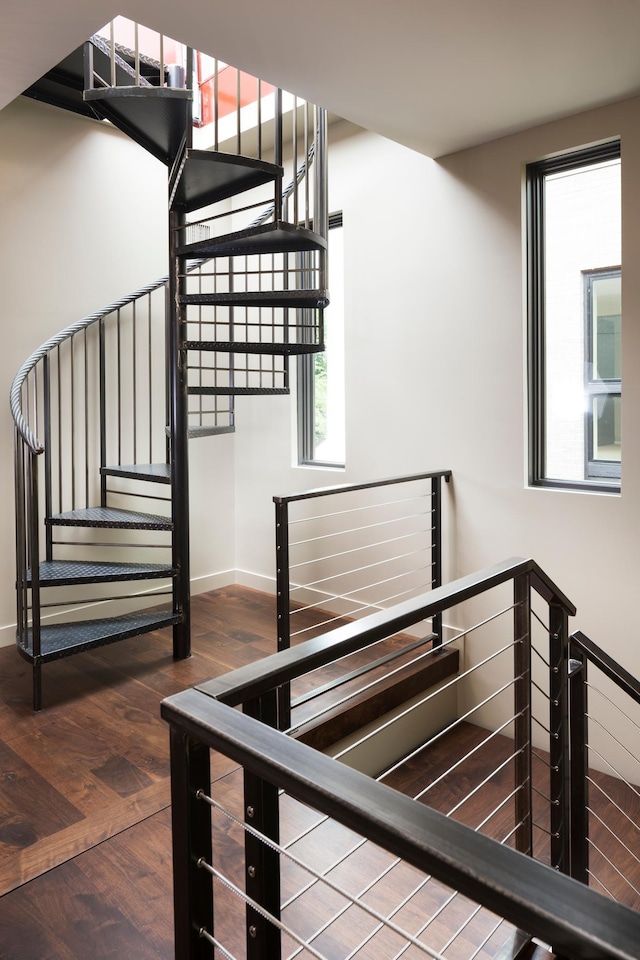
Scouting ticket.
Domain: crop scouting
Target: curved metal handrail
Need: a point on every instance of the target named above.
(15, 393)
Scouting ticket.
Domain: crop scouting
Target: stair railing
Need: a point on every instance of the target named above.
(602, 727)
(87, 397)
(282, 878)
(83, 400)
(343, 551)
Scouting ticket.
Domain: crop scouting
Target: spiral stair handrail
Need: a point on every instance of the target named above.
(15, 394)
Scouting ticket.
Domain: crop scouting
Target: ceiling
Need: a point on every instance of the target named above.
(436, 75)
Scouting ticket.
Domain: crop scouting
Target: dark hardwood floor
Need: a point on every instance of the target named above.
(85, 832)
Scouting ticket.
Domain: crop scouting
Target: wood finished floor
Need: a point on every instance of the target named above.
(85, 833)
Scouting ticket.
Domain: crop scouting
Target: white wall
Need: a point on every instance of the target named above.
(435, 365)
(83, 221)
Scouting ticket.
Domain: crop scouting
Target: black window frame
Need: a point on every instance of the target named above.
(535, 265)
(596, 387)
(305, 388)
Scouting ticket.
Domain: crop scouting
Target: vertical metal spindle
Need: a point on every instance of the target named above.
(59, 429)
(102, 387)
(134, 380)
(161, 60)
(559, 731)
(436, 552)
(238, 118)
(48, 497)
(150, 360)
(579, 753)
(86, 418)
(262, 863)
(73, 423)
(216, 110)
(136, 50)
(307, 212)
(119, 384)
(277, 150)
(283, 587)
(112, 50)
(522, 713)
(259, 119)
(21, 533)
(294, 137)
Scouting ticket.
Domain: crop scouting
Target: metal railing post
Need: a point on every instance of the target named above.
(48, 499)
(579, 753)
(436, 552)
(282, 604)
(277, 151)
(178, 403)
(191, 827)
(33, 561)
(522, 712)
(559, 734)
(262, 864)
(102, 387)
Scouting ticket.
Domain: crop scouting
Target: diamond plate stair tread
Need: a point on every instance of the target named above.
(237, 346)
(153, 472)
(64, 639)
(276, 237)
(304, 299)
(110, 517)
(207, 177)
(204, 431)
(237, 391)
(60, 573)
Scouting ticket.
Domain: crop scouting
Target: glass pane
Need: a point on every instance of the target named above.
(329, 387)
(581, 234)
(606, 313)
(606, 427)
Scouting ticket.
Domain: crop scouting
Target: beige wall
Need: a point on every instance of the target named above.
(436, 365)
(83, 222)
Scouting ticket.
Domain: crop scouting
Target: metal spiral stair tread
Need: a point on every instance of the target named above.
(62, 573)
(110, 518)
(64, 639)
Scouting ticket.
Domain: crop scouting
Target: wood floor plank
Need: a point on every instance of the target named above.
(24, 865)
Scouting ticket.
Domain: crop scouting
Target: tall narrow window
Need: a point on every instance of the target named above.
(321, 407)
(574, 293)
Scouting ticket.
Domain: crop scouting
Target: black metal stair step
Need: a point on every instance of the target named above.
(207, 176)
(154, 117)
(64, 639)
(278, 237)
(237, 346)
(109, 517)
(212, 431)
(62, 573)
(152, 472)
(304, 299)
(237, 391)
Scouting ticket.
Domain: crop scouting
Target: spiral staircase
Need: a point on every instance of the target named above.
(104, 411)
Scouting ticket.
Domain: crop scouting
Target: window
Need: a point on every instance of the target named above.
(321, 408)
(603, 373)
(574, 308)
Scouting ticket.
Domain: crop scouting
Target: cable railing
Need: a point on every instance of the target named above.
(604, 719)
(344, 551)
(299, 854)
